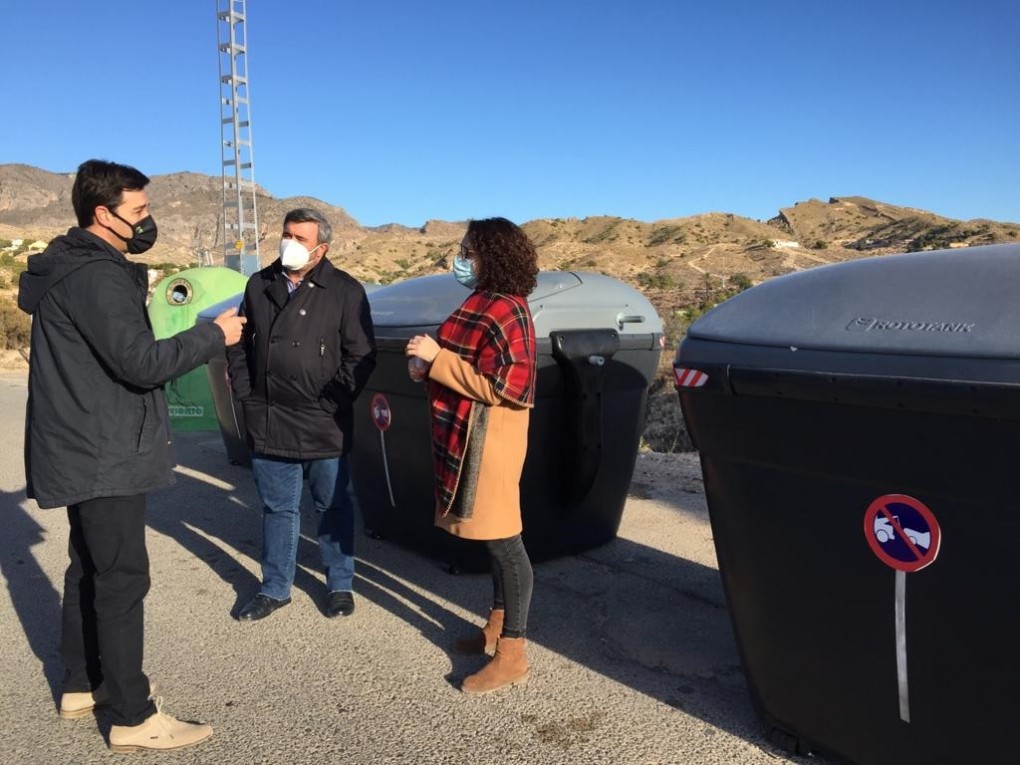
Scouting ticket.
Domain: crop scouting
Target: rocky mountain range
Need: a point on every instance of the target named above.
(677, 262)
(671, 260)
(683, 264)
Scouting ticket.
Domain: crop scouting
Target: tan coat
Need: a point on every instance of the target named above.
(497, 509)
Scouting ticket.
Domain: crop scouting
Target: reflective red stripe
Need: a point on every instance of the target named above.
(689, 378)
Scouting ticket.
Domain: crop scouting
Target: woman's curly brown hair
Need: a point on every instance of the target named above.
(507, 261)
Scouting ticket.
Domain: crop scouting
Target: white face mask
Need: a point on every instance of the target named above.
(293, 255)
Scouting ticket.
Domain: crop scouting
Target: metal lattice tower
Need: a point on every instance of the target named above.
(240, 217)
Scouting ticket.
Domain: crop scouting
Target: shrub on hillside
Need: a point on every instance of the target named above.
(741, 282)
(15, 327)
(9, 263)
(665, 429)
(656, 281)
(665, 235)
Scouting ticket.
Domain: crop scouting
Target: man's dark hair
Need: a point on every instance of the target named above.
(508, 263)
(102, 183)
(308, 215)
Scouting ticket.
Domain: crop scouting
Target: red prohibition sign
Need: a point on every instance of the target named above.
(379, 409)
(896, 545)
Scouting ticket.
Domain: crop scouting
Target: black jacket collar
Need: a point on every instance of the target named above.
(277, 290)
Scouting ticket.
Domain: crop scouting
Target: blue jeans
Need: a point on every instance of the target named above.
(279, 482)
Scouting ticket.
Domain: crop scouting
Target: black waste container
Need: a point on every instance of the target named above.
(859, 429)
(599, 342)
(229, 413)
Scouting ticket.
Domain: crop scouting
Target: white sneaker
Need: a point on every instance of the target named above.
(160, 732)
(76, 705)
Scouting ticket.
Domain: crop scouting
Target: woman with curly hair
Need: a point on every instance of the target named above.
(481, 376)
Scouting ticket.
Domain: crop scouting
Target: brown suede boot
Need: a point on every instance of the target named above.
(484, 640)
(508, 667)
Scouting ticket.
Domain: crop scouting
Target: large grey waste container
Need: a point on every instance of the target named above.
(599, 342)
(859, 431)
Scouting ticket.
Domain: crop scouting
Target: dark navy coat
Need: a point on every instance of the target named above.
(97, 422)
(302, 362)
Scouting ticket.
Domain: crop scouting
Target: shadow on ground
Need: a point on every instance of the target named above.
(651, 621)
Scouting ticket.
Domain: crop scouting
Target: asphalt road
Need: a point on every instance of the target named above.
(633, 658)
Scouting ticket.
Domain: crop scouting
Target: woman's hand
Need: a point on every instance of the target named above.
(422, 346)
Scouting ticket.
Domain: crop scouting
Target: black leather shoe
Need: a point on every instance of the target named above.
(260, 607)
(340, 604)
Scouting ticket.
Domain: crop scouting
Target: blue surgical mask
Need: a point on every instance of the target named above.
(464, 272)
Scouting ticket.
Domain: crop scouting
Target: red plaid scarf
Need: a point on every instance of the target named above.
(495, 334)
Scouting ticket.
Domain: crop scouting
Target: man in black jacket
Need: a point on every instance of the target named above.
(308, 350)
(98, 438)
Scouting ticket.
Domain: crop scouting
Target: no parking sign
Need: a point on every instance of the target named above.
(902, 532)
(382, 417)
(905, 535)
(380, 410)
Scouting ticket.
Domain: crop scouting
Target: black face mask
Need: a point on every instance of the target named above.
(143, 234)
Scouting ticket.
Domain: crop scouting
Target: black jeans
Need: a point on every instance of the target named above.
(512, 583)
(103, 619)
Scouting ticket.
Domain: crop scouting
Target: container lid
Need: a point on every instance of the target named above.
(234, 301)
(959, 302)
(561, 300)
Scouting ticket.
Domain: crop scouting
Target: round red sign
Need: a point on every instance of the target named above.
(902, 532)
(379, 408)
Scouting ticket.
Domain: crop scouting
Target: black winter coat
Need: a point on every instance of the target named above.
(303, 360)
(97, 423)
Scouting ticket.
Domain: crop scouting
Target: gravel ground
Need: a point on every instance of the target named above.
(632, 653)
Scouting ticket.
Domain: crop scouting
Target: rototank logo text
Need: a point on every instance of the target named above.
(870, 323)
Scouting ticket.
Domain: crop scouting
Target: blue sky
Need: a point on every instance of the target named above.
(403, 111)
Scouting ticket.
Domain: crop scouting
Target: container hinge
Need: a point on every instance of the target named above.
(581, 356)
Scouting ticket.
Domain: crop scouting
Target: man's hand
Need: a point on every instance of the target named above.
(231, 324)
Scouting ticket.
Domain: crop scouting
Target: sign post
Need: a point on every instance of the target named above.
(904, 534)
(382, 418)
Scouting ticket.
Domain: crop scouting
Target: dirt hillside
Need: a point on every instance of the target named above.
(683, 265)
